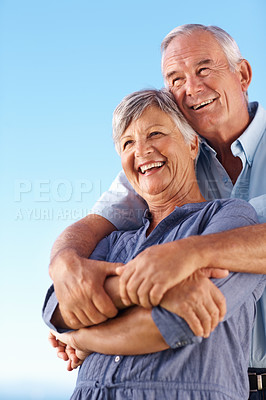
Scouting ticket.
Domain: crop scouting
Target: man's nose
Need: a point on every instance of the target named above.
(193, 85)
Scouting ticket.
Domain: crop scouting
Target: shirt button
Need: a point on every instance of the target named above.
(117, 359)
(225, 179)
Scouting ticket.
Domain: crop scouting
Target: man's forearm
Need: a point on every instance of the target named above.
(238, 250)
(83, 235)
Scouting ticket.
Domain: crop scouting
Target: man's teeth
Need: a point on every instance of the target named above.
(202, 104)
(144, 168)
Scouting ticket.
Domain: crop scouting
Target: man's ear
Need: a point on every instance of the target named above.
(194, 147)
(245, 73)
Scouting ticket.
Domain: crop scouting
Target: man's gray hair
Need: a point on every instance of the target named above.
(133, 105)
(227, 43)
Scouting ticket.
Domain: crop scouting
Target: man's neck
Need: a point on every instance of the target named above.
(221, 142)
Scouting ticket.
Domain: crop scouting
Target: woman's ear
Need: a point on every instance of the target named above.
(245, 74)
(194, 147)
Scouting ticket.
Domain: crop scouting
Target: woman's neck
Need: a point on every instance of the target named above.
(160, 209)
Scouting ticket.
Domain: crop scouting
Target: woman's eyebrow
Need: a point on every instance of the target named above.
(124, 136)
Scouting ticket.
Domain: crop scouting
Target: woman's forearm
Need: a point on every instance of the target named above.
(133, 332)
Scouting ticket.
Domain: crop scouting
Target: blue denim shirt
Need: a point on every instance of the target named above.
(124, 208)
(193, 368)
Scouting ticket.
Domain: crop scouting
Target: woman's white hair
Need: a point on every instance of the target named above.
(133, 105)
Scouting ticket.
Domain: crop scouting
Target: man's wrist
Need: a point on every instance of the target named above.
(199, 252)
(62, 258)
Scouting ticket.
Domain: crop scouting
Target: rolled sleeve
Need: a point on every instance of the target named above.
(173, 328)
(48, 310)
(237, 288)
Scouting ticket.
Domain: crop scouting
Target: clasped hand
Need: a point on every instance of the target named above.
(79, 288)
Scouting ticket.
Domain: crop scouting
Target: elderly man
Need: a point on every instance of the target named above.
(209, 79)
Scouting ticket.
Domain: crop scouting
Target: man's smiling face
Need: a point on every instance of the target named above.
(207, 91)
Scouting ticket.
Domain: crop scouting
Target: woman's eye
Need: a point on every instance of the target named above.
(155, 133)
(127, 143)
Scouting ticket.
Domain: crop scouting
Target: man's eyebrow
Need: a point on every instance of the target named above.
(170, 74)
(205, 61)
(198, 64)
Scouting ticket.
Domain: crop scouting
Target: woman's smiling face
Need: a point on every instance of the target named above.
(155, 157)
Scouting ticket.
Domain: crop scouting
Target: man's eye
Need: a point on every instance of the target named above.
(204, 71)
(176, 82)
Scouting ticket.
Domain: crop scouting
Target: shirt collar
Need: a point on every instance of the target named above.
(249, 139)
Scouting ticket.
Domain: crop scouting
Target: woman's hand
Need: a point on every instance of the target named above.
(198, 301)
(68, 348)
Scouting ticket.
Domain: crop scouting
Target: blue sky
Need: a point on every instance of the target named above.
(64, 67)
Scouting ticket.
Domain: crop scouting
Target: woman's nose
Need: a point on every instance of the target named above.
(142, 148)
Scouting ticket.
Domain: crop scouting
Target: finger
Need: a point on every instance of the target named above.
(62, 355)
(194, 323)
(143, 295)
(133, 286)
(205, 320)
(110, 268)
(123, 285)
(52, 339)
(75, 364)
(94, 316)
(220, 303)
(120, 270)
(61, 351)
(70, 318)
(156, 294)
(103, 304)
(75, 361)
(215, 273)
(87, 315)
(214, 314)
(69, 366)
(71, 353)
(82, 317)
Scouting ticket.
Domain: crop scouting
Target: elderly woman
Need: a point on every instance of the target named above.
(146, 353)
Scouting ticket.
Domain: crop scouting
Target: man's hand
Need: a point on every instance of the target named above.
(79, 288)
(198, 301)
(157, 269)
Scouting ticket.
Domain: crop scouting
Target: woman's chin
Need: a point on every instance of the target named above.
(148, 193)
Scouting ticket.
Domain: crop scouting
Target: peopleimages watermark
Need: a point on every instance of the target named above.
(60, 199)
(59, 190)
(50, 214)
